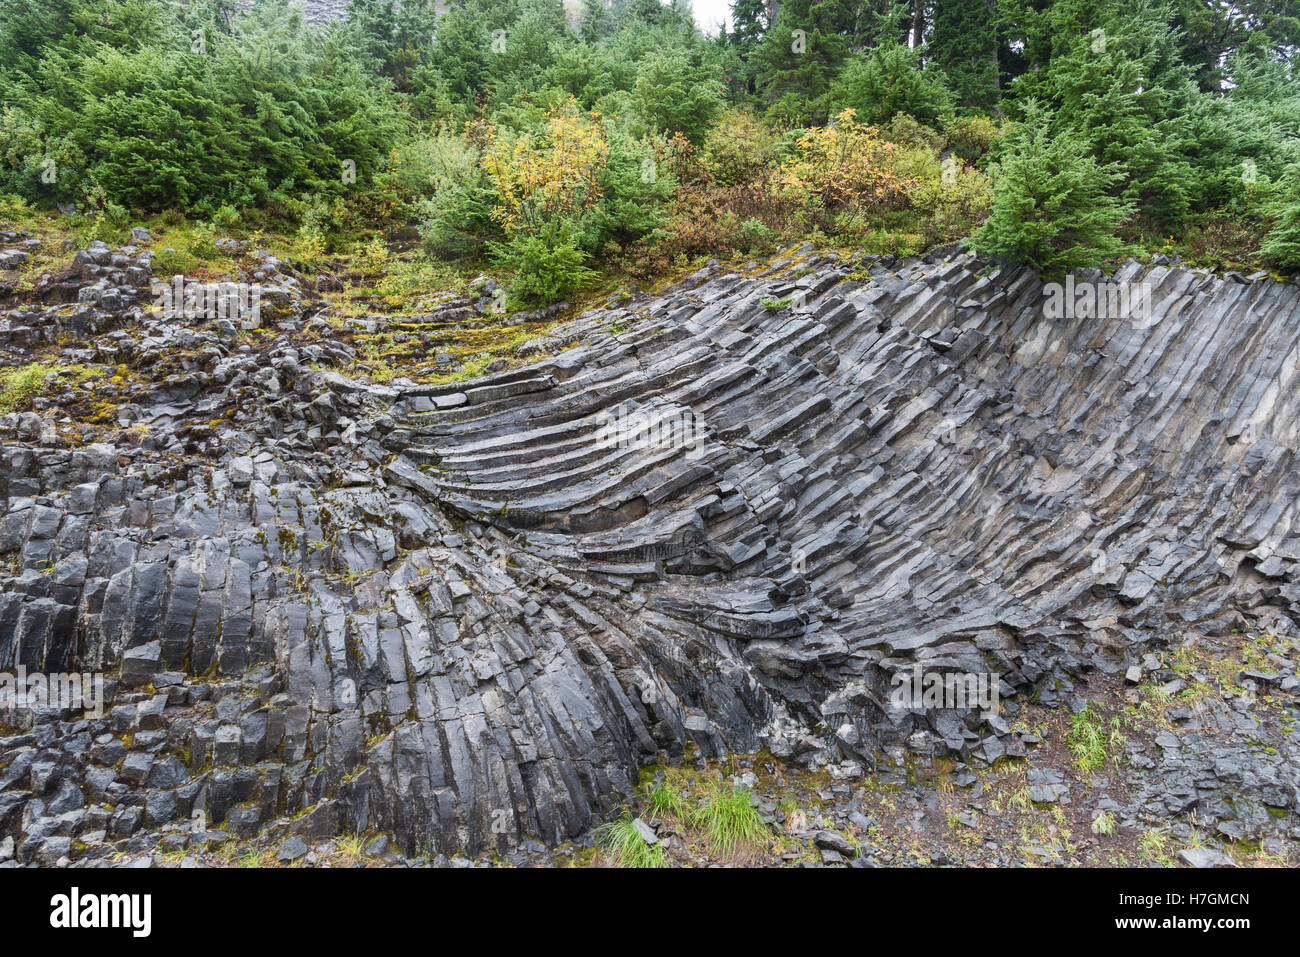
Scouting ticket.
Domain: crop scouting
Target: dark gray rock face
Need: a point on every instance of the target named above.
(468, 614)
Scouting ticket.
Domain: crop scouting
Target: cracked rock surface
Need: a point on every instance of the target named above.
(467, 614)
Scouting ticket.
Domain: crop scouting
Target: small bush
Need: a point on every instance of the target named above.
(1052, 208)
(954, 202)
(372, 258)
(441, 177)
(971, 137)
(739, 148)
(1103, 823)
(845, 167)
(547, 182)
(760, 238)
(717, 221)
(227, 217)
(904, 130)
(545, 270)
(13, 207)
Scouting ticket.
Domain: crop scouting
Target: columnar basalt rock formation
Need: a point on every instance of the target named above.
(467, 614)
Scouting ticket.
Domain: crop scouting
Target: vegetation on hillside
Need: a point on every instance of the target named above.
(553, 149)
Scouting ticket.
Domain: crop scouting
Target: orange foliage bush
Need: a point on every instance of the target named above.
(708, 219)
(845, 167)
(541, 181)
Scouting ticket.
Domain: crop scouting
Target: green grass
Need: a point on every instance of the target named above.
(626, 846)
(185, 248)
(1103, 823)
(667, 801)
(19, 385)
(408, 278)
(1087, 739)
(730, 823)
(350, 845)
(1154, 846)
(723, 817)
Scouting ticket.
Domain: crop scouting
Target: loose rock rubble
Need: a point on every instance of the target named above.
(460, 615)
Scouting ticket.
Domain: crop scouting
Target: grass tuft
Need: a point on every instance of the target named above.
(627, 847)
(18, 386)
(1087, 739)
(666, 801)
(730, 823)
(1103, 823)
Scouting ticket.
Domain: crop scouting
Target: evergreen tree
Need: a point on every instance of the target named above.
(1212, 33)
(1054, 206)
(748, 25)
(1282, 244)
(676, 96)
(390, 34)
(964, 46)
(1110, 73)
(800, 55)
(265, 113)
(460, 51)
(889, 81)
(528, 46)
(597, 20)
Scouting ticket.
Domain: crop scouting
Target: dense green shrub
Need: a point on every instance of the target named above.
(443, 176)
(636, 184)
(582, 71)
(1125, 96)
(904, 130)
(544, 268)
(1282, 245)
(971, 137)
(267, 111)
(1053, 207)
(889, 81)
(676, 96)
(739, 148)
